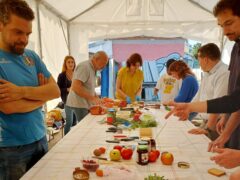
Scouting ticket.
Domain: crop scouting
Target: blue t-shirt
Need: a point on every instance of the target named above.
(21, 128)
(188, 89)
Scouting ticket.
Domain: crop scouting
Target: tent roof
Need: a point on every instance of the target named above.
(70, 8)
(107, 19)
(142, 11)
(107, 10)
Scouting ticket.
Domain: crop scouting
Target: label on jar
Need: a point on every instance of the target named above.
(144, 158)
(109, 120)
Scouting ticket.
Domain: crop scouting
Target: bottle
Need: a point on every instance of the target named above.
(142, 151)
(153, 144)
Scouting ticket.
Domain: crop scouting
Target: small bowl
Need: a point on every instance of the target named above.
(80, 174)
(90, 165)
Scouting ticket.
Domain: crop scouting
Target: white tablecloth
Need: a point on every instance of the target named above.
(171, 135)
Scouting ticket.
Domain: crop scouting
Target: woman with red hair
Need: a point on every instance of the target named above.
(65, 77)
(189, 88)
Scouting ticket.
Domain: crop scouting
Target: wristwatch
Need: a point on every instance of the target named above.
(208, 130)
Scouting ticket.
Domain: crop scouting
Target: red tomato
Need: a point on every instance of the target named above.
(123, 104)
(102, 149)
(152, 156)
(136, 117)
(126, 153)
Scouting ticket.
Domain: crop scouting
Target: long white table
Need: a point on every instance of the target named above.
(172, 136)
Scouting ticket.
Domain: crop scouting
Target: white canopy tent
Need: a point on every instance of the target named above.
(65, 27)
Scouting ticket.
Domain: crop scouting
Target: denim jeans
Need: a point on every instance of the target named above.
(192, 115)
(16, 161)
(74, 117)
(80, 113)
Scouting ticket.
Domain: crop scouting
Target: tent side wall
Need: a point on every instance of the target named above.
(34, 37)
(54, 40)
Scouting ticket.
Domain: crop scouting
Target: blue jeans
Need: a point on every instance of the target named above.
(192, 115)
(16, 161)
(74, 118)
(80, 113)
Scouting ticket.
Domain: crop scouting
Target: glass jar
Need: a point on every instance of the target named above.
(151, 143)
(148, 141)
(111, 116)
(142, 151)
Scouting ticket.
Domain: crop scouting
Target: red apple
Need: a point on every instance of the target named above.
(126, 153)
(152, 156)
(157, 152)
(118, 147)
(167, 158)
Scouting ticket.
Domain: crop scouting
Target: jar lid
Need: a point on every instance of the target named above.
(142, 143)
(111, 110)
(142, 147)
(183, 165)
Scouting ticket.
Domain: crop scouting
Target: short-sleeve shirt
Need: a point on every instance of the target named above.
(22, 70)
(85, 73)
(214, 84)
(130, 84)
(168, 87)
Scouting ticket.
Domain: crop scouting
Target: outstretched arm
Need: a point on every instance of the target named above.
(225, 104)
(182, 110)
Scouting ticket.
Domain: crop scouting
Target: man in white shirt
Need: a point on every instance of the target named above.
(168, 86)
(213, 84)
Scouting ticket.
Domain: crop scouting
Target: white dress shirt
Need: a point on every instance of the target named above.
(214, 84)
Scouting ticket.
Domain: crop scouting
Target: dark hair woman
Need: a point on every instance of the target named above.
(130, 79)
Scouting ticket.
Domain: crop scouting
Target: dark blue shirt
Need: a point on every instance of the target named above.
(234, 68)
